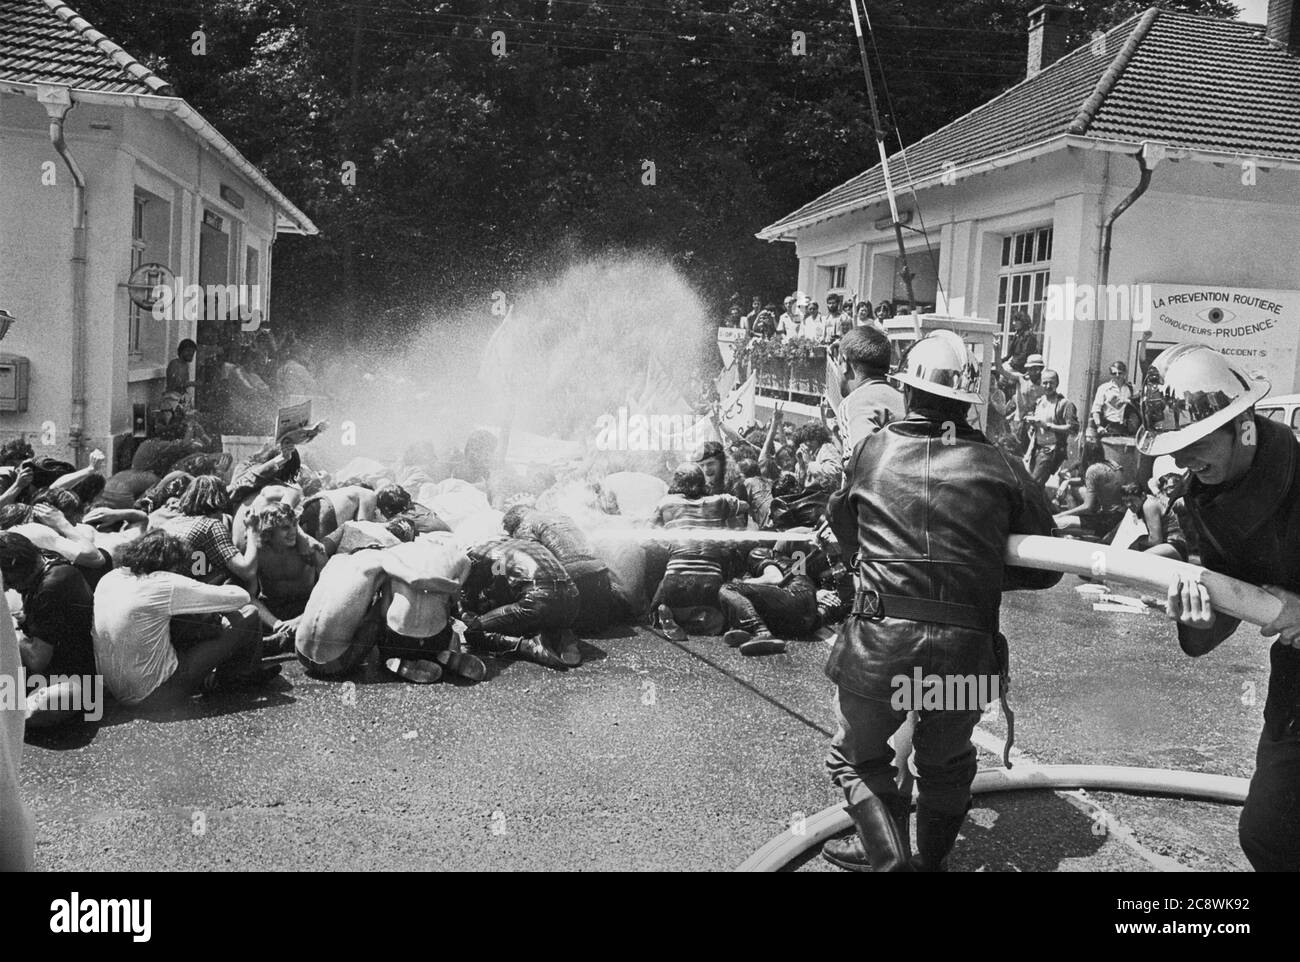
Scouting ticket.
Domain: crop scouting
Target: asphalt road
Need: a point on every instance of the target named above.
(649, 756)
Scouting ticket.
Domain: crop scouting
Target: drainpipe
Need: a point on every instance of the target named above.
(58, 101)
(1103, 271)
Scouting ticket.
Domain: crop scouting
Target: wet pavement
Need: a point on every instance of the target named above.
(650, 756)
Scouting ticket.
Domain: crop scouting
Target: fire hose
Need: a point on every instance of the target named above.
(1227, 596)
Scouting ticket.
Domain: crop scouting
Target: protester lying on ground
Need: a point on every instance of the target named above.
(124, 488)
(169, 444)
(793, 589)
(324, 513)
(354, 536)
(54, 628)
(205, 462)
(51, 530)
(288, 566)
(394, 501)
(205, 530)
(342, 623)
(522, 602)
(160, 636)
(417, 641)
(262, 480)
(160, 501)
(561, 536)
(689, 589)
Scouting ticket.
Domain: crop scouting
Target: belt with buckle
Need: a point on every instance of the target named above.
(869, 603)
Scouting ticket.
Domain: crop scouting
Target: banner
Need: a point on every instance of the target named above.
(730, 341)
(738, 408)
(292, 417)
(833, 395)
(1259, 330)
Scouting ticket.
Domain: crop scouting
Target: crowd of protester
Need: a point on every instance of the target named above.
(186, 573)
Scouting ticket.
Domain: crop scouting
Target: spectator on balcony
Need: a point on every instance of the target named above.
(756, 305)
(814, 328)
(789, 324)
(733, 317)
(764, 325)
(837, 318)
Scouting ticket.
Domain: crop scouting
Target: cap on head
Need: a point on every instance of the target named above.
(1189, 391)
(1035, 360)
(940, 364)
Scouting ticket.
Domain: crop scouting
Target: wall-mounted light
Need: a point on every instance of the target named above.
(6, 321)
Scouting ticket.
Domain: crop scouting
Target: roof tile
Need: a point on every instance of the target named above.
(1191, 82)
(45, 41)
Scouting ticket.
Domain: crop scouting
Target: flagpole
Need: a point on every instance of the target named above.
(905, 272)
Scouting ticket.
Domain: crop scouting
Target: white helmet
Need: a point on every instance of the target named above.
(939, 363)
(1188, 392)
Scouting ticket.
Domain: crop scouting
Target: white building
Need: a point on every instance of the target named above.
(158, 184)
(1016, 195)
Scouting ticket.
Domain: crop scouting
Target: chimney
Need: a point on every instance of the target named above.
(1048, 27)
(1283, 24)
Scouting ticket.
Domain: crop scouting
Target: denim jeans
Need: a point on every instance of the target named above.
(861, 760)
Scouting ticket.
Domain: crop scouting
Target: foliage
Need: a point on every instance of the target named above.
(477, 173)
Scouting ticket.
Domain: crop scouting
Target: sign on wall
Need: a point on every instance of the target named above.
(1259, 330)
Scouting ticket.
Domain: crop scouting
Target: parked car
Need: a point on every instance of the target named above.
(1284, 408)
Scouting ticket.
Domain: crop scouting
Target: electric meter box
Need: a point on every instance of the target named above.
(13, 382)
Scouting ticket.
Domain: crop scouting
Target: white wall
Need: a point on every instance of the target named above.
(126, 148)
(1196, 223)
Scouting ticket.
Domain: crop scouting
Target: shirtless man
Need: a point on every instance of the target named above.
(323, 514)
(288, 567)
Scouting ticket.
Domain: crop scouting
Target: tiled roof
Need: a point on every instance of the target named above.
(45, 41)
(1193, 82)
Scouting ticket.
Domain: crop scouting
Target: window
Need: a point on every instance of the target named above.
(252, 278)
(137, 258)
(834, 276)
(1023, 276)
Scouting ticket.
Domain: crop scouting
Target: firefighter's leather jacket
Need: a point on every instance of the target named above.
(930, 504)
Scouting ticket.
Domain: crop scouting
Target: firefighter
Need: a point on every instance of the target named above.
(928, 503)
(1244, 502)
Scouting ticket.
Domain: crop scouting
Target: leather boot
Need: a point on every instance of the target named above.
(936, 833)
(848, 853)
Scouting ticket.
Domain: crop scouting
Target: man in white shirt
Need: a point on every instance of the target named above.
(789, 324)
(1111, 398)
(134, 607)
